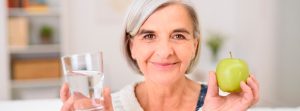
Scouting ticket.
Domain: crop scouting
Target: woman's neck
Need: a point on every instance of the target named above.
(153, 96)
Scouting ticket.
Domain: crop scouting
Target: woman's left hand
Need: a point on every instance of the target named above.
(233, 102)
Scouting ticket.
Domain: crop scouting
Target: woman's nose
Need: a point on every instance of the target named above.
(164, 49)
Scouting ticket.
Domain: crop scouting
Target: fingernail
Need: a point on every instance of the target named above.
(243, 82)
(249, 78)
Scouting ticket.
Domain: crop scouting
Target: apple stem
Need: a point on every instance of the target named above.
(230, 54)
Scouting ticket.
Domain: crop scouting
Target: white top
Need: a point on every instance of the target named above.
(125, 100)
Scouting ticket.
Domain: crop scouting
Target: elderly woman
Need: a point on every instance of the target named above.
(162, 42)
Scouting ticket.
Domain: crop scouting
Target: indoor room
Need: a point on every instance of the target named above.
(36, 34)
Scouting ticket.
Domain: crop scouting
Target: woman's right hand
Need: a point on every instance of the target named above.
(68, 100)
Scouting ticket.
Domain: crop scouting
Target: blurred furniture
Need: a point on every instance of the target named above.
(34, 64)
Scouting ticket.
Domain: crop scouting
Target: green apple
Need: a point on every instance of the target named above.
(230, 72)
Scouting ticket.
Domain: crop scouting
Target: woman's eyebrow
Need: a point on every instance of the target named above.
(181, 30)
(145, 31)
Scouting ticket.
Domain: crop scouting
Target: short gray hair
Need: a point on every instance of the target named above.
(138, 13)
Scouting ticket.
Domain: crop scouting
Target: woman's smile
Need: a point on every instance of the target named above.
(164, 65)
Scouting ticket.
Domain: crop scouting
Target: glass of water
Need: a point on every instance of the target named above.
(85, 77)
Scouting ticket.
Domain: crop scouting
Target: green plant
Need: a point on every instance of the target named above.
(214, 42)
(46, 34)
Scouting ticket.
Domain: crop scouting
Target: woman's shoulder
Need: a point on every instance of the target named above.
(125, 99)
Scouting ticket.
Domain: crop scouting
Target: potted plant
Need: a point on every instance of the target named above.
(46, 34)
(214, 42)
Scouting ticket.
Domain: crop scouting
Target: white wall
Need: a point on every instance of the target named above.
(288, 53)
(4, 72)
(257, 26)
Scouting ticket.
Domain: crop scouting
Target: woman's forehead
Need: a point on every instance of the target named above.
(173, 15)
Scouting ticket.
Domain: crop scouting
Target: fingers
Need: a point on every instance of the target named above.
(68, 104)
(255, 80)
(83, 103)
(247, 94)
(213, 89)
(64, 92)
(253, 84)
(107, 100)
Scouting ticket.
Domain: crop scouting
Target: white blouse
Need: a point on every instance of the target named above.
(125, 99)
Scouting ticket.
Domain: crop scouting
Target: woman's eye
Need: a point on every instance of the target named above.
(149, 37)
(179, 37)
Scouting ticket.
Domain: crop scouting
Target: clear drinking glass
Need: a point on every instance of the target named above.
(85, 77)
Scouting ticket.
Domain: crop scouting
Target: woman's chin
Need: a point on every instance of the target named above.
(165, 78)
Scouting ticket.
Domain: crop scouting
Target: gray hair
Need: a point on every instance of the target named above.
(138, 13)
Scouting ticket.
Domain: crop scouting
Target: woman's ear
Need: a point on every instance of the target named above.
(131, 49)
(196, 44)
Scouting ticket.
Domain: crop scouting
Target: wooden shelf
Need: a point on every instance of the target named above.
(38, 83)
(22, 12)
(35, 49)
(36, 16)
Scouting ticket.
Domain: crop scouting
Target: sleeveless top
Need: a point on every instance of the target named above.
(125, 99)
(201, 96)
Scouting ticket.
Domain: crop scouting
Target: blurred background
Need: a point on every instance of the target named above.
(34, 34)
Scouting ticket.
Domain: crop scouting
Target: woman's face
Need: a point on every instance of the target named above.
(164, 45)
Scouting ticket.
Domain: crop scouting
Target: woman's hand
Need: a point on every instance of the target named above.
(69, 104)
(233, 102)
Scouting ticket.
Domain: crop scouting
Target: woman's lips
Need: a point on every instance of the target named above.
(163, 66)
